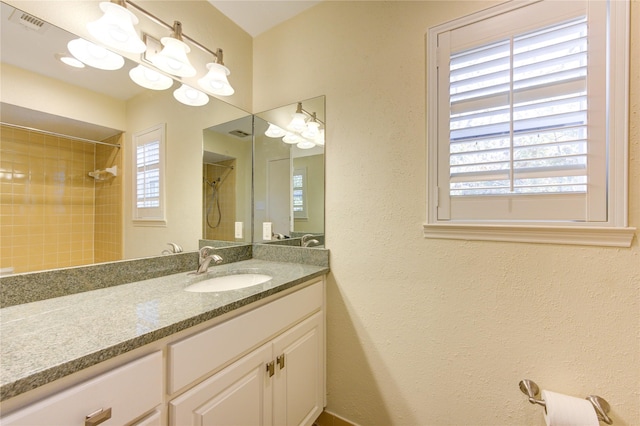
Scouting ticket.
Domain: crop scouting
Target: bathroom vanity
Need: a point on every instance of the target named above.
(151, 353)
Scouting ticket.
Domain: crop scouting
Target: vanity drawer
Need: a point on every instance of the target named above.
(129, 391)
(205, 352)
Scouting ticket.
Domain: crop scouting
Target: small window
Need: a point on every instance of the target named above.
(520, 138)
(149, 176)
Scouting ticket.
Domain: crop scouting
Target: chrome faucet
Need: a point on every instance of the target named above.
(205, 259)
(307, 242)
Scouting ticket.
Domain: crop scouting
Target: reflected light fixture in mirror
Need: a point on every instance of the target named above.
(274, 131)
(150, 79)
(190, 96)
(116, 28)
(298, 121)
(69, 60)
(173, 57)
(95, 56)
(304, 134)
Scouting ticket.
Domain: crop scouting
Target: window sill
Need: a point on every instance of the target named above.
(577, 235)
(150, 222)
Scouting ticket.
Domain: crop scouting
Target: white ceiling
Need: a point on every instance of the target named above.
(257, 16)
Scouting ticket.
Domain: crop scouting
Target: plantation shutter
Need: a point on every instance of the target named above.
(148, 169)
(148, 175)
(521, 137)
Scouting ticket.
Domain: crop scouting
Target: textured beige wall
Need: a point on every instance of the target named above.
(433, 331)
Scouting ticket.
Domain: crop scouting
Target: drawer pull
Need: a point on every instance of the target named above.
(271, 368)
(98, 417)
(280, 361)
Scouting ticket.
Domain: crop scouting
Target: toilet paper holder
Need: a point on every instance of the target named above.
(531, 389)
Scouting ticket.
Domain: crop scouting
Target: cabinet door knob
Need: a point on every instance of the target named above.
(98, 417)
(271, 368)
(280, 361)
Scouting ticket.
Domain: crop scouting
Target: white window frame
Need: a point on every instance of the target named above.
(149, 216)
(612, 232)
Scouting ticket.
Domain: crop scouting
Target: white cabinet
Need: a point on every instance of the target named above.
(238, 395)
(114, 398)
(298, 386)
(279, 383)
(265, 366)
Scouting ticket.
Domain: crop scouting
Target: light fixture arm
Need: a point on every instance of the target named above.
(176, 34)
(312, 115)
(177, 30)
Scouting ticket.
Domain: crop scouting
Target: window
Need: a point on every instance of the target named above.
(527, 124)
(148, 206)
(300, 193)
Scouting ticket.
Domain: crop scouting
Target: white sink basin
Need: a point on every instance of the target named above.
(228, 282)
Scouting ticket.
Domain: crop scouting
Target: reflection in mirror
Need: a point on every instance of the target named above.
(226, 183)
(289, 175)
(69, 202)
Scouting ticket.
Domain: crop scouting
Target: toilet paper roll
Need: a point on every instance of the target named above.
(565, 410)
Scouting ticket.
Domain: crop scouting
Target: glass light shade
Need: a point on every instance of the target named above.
(216, 81)
(298, 122)
(291, 138)
(305, 144)
(116, 29)
(150, 79)
(274, 131)
(319, 140)
(173, 58)
(190, 96)
(95, 56)
(312, 130)
(69, 60)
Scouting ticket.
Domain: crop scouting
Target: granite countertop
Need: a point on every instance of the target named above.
(45, 340)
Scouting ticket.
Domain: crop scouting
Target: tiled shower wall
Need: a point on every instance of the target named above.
(48, 202)
(227, 199)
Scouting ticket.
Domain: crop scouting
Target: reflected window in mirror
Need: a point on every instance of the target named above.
(149, 175)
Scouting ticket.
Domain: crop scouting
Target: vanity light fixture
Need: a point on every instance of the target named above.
(150, 79)
(95, 56)
(216, 81)
(190, 96)
(274, 131)
(173, 57)
(116, 28)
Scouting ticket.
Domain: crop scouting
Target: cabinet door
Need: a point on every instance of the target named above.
(299, 380)
(240, 394)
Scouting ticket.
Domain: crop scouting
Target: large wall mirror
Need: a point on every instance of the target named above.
(289, 174)
(67, 201)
